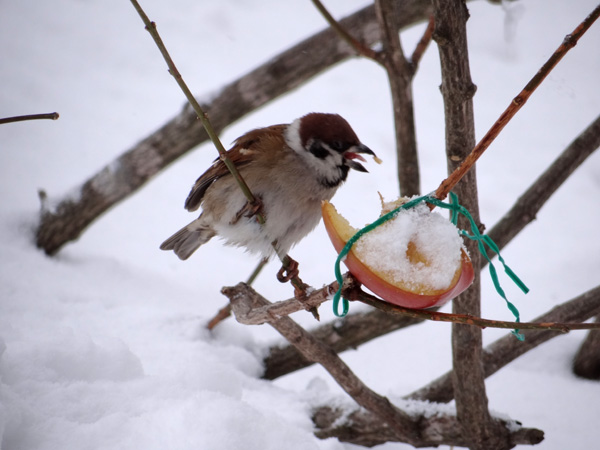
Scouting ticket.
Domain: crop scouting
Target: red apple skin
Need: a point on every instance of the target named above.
(389, 292)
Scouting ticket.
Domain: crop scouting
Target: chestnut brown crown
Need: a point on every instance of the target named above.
(328, 145)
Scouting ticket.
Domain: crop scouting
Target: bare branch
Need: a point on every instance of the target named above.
(457, 89)
(423, 43)
(586, 363)
(243, 297)
(212, 134)
(360, 48)
(342, 334)
(362, 428)
(51, 116)
(400, 73)
(351, 290)
(382, 419)
(273, 311)
(466, 319)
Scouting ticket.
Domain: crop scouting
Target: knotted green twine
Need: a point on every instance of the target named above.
(482, 240)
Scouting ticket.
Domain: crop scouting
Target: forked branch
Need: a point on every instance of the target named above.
(400, 72)
(269, 312)
(383, 421)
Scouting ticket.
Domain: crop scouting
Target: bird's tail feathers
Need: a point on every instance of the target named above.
(187, 240)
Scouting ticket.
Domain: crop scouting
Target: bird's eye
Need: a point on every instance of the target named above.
(337, 146)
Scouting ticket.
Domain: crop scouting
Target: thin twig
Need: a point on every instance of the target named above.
(257, 270)
(221, 315)
(517, 103)
(423, 43)
(299, 286)
(151, 28)
(466, 319)
(51, 116)
(352, 291)
(400, 73)
(362, 49)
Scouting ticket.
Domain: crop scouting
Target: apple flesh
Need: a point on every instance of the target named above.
(402, 293)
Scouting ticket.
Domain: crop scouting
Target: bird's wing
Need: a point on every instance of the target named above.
(249, 148)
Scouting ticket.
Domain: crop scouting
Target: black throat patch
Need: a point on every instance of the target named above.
(332, 183)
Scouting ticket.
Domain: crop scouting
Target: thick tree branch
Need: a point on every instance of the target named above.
(450, 18)
(381, 420)
(362, 428)
(365, 430)
(65, 219)
(342, 334)
(586, 363)
(269, 312)
(243, 297)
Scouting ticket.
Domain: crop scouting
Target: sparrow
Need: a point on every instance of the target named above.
(289, 168)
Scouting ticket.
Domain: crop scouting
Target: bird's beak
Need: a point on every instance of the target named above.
(354, 153)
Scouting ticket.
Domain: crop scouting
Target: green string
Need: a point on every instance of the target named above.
(482, 240)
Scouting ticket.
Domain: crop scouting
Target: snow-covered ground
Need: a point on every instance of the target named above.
(104, 346)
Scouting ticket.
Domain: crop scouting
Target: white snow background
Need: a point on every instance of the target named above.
(104, 345)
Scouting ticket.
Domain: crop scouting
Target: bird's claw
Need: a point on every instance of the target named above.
(288, 271)
(249, 210)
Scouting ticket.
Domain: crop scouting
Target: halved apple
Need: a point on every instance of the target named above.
(403, 292)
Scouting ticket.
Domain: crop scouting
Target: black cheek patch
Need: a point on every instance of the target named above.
(318, 150)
